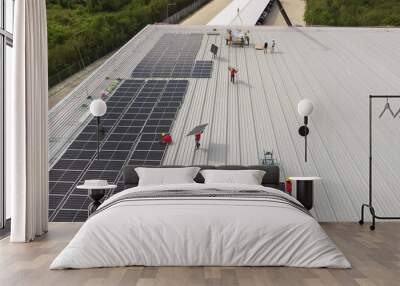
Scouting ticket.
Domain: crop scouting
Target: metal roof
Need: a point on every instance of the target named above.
(336, 68)
(249, 12)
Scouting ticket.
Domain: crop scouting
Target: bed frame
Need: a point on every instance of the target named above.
(270, 179)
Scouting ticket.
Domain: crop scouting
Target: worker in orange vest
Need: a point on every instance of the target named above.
(232, 72)
(197, 138)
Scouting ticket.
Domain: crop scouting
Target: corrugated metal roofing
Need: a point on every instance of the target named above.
(337, 68)
(249, 12)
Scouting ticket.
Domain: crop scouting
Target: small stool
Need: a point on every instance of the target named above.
(96, 190)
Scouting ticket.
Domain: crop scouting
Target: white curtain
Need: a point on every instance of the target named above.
(26, 124)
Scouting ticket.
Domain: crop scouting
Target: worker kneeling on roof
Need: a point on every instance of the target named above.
(166, 138)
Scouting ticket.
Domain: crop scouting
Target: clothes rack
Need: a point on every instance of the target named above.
(370, 201)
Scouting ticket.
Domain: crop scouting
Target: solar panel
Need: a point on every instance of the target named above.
(64, 215)
(202, 69)
(70, 168)
(75, 202)
(54, 200)
(174, 56)
(132, 135)
(59, 188)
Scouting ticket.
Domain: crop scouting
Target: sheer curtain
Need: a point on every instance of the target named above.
(26, 124)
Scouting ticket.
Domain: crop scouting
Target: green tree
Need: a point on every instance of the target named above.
(353, 12)
(89, 29)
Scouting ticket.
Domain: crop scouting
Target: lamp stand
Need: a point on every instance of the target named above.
(98, 138)
(304, 131)
(305, 148)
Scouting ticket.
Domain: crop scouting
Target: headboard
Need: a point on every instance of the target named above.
(270, 179)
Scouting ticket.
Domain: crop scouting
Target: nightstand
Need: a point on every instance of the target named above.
(97, 189)
(305, 190)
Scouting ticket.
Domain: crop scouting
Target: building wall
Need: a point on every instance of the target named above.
(335, 68)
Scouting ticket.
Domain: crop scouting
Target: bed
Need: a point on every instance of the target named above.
(201, 224)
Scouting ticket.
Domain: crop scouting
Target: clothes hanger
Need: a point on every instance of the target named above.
(387, 107)
(397, 113)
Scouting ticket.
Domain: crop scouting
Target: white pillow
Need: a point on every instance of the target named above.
(248, 177)
(166, 176)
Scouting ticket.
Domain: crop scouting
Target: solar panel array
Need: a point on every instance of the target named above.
(202, 69)
(174, 56)
(137, 113)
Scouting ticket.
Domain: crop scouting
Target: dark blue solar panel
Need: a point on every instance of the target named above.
(174, 56)
(132, 135)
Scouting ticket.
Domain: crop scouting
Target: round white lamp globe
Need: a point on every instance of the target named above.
(305, 107)
(98, 108)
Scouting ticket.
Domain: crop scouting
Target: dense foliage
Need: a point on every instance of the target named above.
(81, 31)
(353, 12)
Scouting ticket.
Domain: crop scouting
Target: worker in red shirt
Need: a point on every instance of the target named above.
(166, 138)
(232, 72)
(197, 138)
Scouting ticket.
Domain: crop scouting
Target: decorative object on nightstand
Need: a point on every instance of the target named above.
(96, 190)
(268, 159)
(305, 108)
(98, 108)
(288, 186)
(304, 190)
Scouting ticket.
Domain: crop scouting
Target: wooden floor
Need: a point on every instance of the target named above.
(375, 257)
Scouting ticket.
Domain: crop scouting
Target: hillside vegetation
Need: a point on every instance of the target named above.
(81, 31)
(353, 12)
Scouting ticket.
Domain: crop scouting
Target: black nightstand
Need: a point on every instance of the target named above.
(305, 190)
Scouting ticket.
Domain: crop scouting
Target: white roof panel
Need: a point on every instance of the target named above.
(249, 12)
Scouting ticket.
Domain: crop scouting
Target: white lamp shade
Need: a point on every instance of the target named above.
(305, 107)
(98, 107)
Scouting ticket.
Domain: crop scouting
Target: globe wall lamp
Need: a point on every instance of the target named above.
(305, 108)
(98, 108)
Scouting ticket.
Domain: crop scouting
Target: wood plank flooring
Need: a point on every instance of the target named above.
(375, 257)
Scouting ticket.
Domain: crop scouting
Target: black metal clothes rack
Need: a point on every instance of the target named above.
(370, 205)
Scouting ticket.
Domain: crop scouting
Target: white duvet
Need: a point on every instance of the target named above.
(193, 231)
